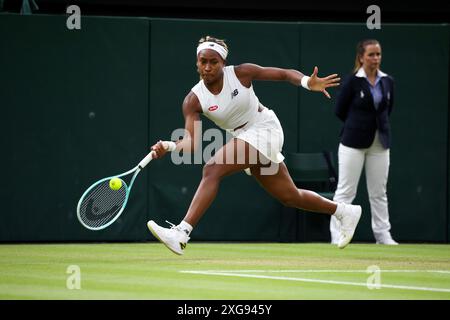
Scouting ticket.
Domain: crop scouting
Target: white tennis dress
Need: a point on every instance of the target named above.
(237, 105)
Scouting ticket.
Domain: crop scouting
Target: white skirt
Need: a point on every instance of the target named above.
(265, 134)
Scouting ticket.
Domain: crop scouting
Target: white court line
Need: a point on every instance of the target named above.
(360, 284)
(322, 271)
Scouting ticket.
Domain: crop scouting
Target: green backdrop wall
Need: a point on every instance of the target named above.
(79, 105)
(75, 106)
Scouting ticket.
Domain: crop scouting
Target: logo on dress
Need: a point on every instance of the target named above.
(234, 93)
(212, 108)
(361, 94)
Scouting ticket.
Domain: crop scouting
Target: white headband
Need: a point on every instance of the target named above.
(213, 46)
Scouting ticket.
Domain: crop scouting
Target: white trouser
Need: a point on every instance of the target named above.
(376, 162)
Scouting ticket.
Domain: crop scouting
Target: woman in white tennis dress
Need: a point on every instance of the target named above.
(225, 95)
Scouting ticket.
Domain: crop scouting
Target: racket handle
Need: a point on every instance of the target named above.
(147, 159)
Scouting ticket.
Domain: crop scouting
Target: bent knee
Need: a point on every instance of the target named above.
(212, 171)
(290, 199)
(290, 203)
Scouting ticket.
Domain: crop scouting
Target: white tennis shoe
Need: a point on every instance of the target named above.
(387, 240)
(174, 238)
(349, 221)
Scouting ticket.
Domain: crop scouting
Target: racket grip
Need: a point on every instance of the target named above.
(147, 159)
(169, 145)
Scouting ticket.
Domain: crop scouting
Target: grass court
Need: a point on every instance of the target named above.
(256, 271)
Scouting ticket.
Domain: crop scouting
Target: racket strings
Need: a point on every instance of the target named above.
(102, 204)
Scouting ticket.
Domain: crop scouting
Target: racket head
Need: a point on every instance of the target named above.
(100, 206)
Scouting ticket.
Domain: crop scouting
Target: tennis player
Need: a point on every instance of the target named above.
(225, 95)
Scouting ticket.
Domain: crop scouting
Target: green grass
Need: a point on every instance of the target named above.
(150, 271)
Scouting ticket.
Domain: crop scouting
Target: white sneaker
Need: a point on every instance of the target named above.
(174, 238)
(335, 236)
(335, 232)
(349, 221)
(387, 240)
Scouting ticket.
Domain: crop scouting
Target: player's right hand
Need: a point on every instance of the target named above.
(159, 149)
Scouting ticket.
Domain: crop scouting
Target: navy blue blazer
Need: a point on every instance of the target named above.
(356, 109)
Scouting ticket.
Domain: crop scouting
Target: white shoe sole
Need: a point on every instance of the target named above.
(150, 225)
(387, 243)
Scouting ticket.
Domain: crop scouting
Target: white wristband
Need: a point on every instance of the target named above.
(304, 82)
(169, 145)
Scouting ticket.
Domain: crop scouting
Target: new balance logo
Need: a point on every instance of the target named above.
(234, 93)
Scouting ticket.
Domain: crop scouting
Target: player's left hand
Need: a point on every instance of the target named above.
(321, 84)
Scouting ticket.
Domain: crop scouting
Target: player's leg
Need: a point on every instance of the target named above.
(281, 186)
(233, 157)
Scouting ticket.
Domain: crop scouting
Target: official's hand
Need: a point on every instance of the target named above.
(321, 84)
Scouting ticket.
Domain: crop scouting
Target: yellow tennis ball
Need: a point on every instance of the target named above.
(115, 183)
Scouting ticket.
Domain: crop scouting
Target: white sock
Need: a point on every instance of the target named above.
(339, 210)
(186, 227)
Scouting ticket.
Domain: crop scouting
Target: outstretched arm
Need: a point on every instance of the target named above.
(248, 72)
(192, 134)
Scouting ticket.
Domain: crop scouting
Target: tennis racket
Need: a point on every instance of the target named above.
(100, 206)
